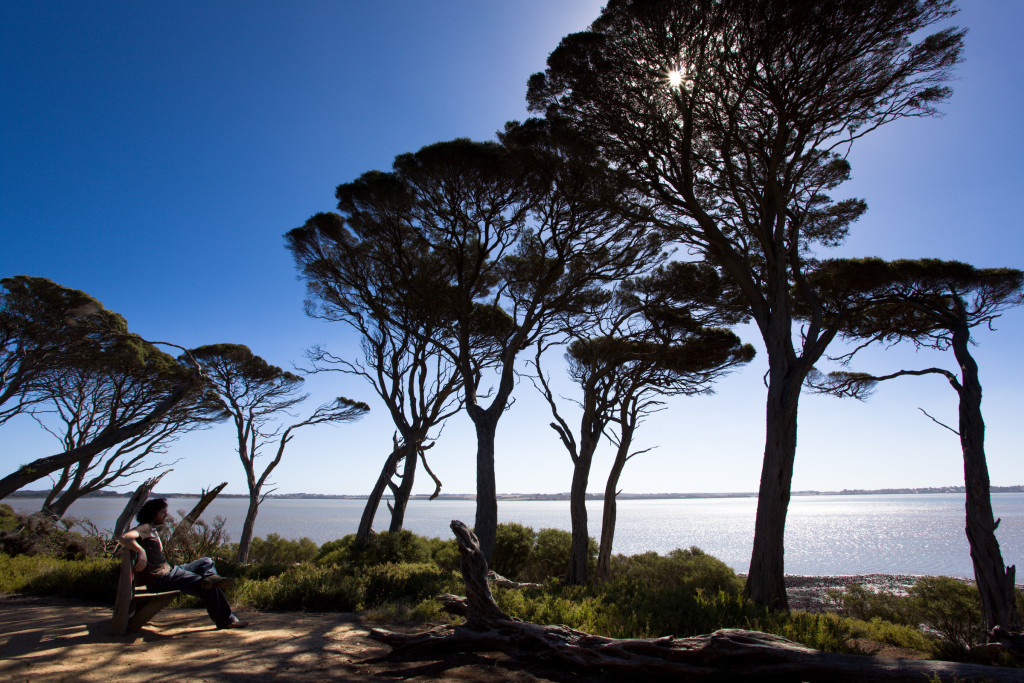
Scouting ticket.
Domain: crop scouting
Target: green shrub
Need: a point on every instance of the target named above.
(513, 545)
(858, 602)
(203, 539)
(37, 534)
(8, 518)
(391, 583)
(398, 547)
(304, 587)
(445, 554)
(952, 608)
(281, 551)
(91, 579)
(900, 635)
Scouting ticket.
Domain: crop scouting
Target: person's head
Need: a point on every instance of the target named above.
(150, 509)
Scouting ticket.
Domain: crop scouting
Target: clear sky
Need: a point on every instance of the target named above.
(153, 155)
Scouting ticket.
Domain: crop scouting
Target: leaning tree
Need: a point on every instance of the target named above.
(523, 249)
(78, 401)
(935, 304)
(255, 394)
(654, 340)
(733, 119)
(44, 326)
(370, 272)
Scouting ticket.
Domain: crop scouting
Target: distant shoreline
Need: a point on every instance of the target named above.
(549, 496)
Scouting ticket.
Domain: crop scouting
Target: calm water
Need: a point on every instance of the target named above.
(894, 534)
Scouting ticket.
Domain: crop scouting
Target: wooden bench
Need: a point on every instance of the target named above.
(134, 606)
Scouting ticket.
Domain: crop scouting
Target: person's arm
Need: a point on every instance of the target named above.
(130, 540)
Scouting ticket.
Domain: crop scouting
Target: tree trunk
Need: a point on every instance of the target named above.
(727, 654)
(486, 523)
(58, 508)
(37, 469)
(995, 580)
(373, 502)
(405, 490)
(604, 553)
(766, 578)
(578, 513)
(245, 542)
(183, 526)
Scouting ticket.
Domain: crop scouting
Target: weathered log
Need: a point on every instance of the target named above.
(723, 655)
(185, 524)
(501, 582)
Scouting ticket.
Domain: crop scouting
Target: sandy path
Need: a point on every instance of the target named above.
(61, 640)
(50, 639)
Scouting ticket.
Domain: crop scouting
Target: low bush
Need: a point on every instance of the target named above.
(861, 603)
(277, 550)
(521, 554)
(397, 547)
(39, 535)
(303, 587)
(92, 579)
(513, 544)
(345, 589)
(951, 608)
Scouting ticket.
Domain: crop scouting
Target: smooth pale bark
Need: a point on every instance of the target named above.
(373, 502)
(185, 524)
(995, 580)
(249, 526)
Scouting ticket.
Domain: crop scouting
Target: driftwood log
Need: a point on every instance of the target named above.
(727, 654)
(185, 524)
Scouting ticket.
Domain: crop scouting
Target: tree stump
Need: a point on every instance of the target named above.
(726, 654)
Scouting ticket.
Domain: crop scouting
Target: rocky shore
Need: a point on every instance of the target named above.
(808, 593)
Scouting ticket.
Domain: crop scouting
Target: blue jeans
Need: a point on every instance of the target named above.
(187, 577)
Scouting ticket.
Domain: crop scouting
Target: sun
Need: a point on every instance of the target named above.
(675, 78)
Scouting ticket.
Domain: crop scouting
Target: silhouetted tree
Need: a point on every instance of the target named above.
(935, 304)
(654, 342)
(255, 393)
(524, 248)
(376, 278)
(734, 118)
(45, 327)
(76, 403)
(43, 324)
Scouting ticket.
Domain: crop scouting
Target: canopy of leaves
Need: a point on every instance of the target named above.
(247, 386)
(732, 117)
(43, 325)
(921, 300)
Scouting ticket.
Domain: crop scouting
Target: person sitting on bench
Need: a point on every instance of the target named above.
(198, 578)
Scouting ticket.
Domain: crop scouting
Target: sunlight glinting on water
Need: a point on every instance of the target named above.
(893, 534)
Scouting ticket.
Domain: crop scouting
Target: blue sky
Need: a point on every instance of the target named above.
(153, 155)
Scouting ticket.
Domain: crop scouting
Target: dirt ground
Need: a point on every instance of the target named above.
(52, 639)
(47, 639)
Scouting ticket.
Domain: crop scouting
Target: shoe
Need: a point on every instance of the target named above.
(234, 623)
(215, 581)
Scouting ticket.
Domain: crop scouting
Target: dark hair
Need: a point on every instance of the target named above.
(149, 509)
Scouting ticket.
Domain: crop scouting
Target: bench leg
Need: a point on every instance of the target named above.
(147, 611)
